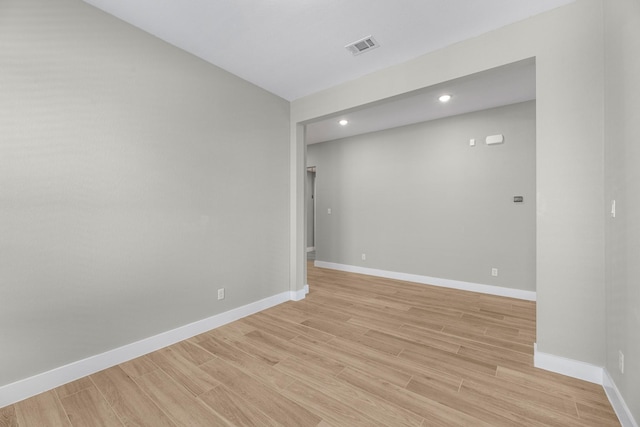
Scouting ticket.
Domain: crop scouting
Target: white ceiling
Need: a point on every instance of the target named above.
(493, 88)
(293, 48)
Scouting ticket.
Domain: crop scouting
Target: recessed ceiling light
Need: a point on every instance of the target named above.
(343, 122)
(444, 98)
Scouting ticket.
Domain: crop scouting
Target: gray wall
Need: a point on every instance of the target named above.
(622, 167)
(310, 208)
(418, 199)
(569, 50)
(127, 195)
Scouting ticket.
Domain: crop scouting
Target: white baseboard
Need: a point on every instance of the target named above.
(300, 294)
(569, 367)
(435, 281)
(617, 402)
(28, 387)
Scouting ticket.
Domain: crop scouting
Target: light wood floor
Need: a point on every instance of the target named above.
(358, 351)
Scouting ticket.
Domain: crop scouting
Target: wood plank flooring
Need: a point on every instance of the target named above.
(358, 351)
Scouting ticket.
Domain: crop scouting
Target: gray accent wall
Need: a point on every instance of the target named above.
(419, 199)
(622, 178)
(135, 180)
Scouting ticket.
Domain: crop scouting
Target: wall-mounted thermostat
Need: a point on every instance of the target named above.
(495, 139)
(518, 199)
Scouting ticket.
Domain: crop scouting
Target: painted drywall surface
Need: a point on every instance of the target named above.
(622, 173)
(419, 199)
(568, 46)
(127, 196)
(298, 220)
(309, 208)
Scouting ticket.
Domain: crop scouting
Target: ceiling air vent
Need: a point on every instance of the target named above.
(363, 45)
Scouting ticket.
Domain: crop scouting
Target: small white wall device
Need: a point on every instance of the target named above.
(495, 139)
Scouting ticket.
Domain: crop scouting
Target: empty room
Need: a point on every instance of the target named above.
(473, 258)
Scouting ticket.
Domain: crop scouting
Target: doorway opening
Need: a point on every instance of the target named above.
(356, 231)
(310, 209)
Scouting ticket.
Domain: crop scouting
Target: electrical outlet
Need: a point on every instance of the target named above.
(494, 272)
(364, 257)
(221, 293)
(621, 361)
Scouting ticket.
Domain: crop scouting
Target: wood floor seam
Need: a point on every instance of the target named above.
(105, 399)
(60, 401)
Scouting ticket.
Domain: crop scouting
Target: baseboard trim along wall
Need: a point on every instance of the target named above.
(434, 281)
(587, 372)
(569, 367)
(28, 387)
(300, 294)
(619, 405)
